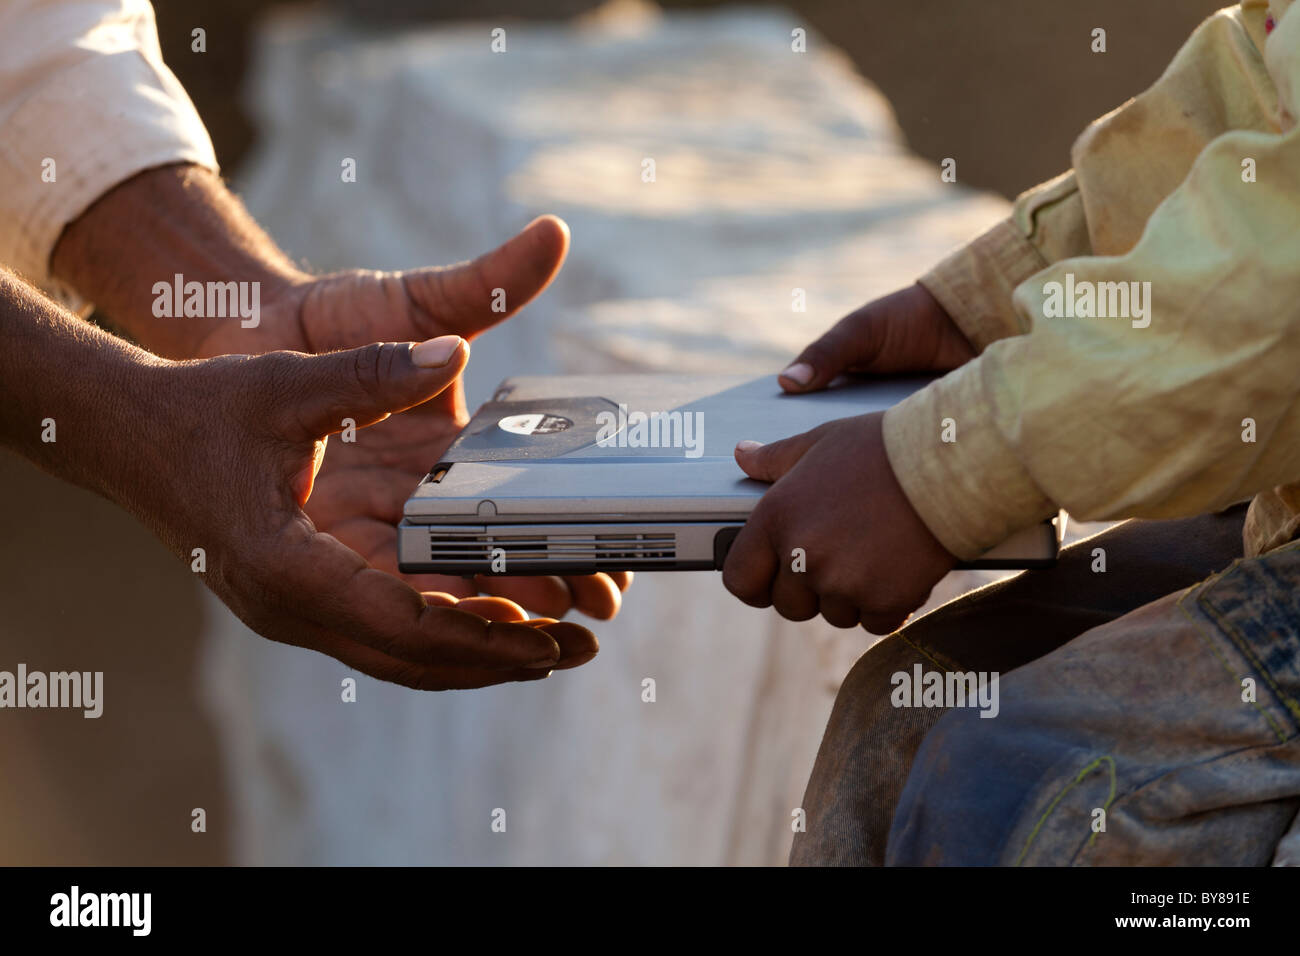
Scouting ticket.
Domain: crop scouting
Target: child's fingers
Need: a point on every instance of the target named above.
(852, 343)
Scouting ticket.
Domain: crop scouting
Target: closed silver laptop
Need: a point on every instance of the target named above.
(583, 473)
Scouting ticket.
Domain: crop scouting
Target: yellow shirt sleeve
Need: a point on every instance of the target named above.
(1125, 164)
(1187, 402)
(975, 283)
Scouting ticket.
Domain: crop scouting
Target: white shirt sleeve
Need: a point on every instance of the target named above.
(85, 103)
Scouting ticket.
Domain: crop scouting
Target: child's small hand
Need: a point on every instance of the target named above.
(835, 534)
(906, 331)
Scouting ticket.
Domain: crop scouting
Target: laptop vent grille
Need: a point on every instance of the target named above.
(448, 548)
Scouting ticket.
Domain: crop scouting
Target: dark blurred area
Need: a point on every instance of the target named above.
(1003, 86)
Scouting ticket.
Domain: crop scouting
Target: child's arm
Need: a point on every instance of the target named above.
(1103, 417)
(1124, 165)
(1187, 405)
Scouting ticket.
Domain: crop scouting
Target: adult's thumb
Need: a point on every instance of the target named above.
(368, 384)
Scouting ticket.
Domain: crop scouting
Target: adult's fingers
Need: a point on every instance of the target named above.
(410, 674)
(577, 644)
(595, 595)
(316, 392)
(469, 298)
(545, 594)
(491, 608)
(316, 577)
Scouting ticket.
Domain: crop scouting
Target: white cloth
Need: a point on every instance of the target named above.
(774, 171)
(85, 103)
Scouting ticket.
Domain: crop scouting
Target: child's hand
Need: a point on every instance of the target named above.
(866, 557)
(906, 331)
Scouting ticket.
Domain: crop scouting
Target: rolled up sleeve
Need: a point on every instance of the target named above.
(1198, 409)
(1094, 415)
(86, 102)
(1124, 165)
(975, 283)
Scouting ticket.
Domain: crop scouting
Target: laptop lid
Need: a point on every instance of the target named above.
(592, 447)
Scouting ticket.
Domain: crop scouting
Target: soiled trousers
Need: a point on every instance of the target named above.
(1148, 712)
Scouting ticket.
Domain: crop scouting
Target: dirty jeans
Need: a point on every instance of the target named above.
(1146, 714)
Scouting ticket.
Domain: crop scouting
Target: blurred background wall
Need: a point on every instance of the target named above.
(1004, 86)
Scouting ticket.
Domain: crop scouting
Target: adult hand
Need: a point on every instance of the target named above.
(364, 484)
(866, 556)
(226, 459)
(906, 331)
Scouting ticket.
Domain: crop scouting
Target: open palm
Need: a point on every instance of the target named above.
(363, 484)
